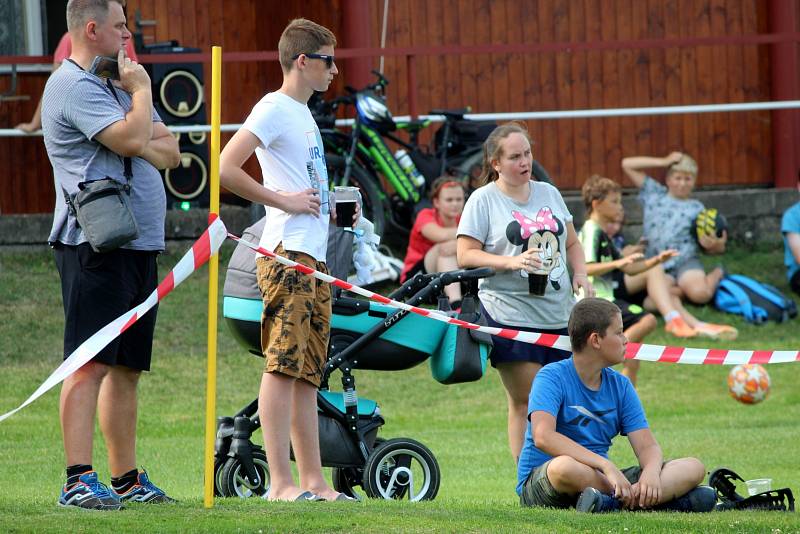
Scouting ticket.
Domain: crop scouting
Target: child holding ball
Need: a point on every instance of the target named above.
(669, 212)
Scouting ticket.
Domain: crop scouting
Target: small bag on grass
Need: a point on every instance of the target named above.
(756, 301)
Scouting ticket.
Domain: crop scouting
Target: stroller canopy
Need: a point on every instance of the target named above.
(240, 279)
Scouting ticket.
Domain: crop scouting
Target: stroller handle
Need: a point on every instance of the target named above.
(466, 274)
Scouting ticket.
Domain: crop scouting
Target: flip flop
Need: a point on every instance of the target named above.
(343, 497)
(308, 496)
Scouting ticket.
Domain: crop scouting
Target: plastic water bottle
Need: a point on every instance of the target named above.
(324, 207)
(407, 164)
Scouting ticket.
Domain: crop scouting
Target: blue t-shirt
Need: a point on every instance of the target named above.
(790, 223)
(590, 418)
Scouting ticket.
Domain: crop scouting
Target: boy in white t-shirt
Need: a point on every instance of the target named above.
(295, 325)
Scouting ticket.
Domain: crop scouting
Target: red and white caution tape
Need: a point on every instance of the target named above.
(207, 245)
(635, 351)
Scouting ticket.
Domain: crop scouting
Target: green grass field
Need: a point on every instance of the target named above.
(464, 425)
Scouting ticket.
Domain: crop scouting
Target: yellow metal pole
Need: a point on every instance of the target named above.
(213, 281)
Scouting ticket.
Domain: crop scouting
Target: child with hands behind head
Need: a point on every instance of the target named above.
(577, 406)
(668, 216)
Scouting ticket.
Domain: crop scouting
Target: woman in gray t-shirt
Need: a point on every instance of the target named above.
(518, 226)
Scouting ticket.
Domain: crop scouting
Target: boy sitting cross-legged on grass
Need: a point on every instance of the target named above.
(576, 407)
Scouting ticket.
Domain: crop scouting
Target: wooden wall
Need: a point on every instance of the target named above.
(26, 177)
(731, 148)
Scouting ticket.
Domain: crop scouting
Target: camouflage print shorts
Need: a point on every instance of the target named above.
(295, 325)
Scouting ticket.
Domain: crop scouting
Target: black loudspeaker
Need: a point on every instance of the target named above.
(178, 99)
(188, 182)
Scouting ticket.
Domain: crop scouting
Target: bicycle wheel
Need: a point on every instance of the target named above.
(470, 169)
(373, 207)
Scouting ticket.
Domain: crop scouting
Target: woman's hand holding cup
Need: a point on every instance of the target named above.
(532, 263)
(528, 261)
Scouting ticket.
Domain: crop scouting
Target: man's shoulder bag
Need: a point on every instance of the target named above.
(102, 209)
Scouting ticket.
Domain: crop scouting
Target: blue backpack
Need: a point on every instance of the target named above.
(756, 301)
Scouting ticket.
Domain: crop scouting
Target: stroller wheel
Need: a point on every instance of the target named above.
(233, 482)
(345, 479)
(401, 468)
(218, 463)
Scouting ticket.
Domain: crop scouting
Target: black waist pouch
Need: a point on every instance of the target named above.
(102, 208)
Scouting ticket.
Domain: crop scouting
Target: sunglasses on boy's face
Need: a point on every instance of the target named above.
(329, 60)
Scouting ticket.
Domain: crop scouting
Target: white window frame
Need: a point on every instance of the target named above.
(34, 38)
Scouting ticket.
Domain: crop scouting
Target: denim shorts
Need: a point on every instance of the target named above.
(687, 264)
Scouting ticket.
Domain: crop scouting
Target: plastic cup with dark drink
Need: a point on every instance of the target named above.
(346, 199)
(537, 283)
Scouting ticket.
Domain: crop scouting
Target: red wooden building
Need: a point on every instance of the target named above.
(608, 54)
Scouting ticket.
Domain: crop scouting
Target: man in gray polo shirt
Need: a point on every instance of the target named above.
(90, 127)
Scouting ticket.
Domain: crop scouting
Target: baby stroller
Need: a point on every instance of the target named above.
(364, 335)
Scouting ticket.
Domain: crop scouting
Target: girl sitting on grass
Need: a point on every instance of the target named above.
(432, 243)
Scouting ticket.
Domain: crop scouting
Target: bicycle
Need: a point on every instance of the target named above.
(361, 157)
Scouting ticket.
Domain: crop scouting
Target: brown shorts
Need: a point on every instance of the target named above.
(296, 322)
(539, 491)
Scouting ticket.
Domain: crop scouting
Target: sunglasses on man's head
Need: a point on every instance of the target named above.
(329, 60)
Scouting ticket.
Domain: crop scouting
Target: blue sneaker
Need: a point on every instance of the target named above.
(89, 493)
(144, 491)
(700, 499)
(593, 501)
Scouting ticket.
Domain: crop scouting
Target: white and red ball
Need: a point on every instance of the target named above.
(749, 383)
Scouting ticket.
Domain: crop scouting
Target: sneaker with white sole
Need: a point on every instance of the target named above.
(144, 491)
(678, 328)
(717, 331)
(89, 493)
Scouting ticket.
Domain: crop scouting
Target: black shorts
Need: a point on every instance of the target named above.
(96, 289)
(621, 292)
(631, 313)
